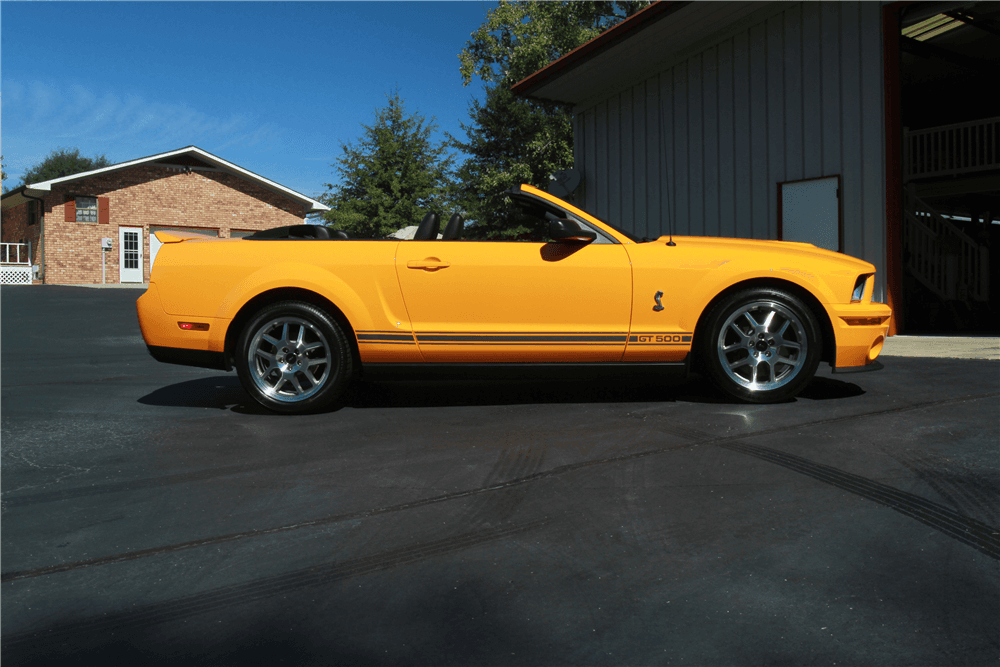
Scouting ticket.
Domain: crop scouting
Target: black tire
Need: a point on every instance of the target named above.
(760, 345)
(292, 357)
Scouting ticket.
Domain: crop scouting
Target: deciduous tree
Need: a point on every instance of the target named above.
(63, 162)
(512, 140)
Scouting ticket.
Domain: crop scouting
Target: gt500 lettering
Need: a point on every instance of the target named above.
(661, 338)
(676, 338)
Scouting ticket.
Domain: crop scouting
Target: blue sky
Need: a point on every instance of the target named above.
(274, 87)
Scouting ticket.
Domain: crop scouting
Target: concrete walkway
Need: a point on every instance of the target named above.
(951, 347)
(115, 286)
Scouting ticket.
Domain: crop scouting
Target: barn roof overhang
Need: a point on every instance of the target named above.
(635, 49)
(189, 157)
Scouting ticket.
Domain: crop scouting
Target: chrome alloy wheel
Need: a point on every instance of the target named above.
(762, 346)
(289, 359)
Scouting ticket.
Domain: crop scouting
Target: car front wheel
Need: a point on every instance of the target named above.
(292, 357)
(764, 345)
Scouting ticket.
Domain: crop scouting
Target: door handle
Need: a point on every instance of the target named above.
(429, 264)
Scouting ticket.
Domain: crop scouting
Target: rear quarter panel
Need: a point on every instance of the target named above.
(214, 279)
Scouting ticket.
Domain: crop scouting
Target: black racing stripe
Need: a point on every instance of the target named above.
(525, 333)
(386, 342)
(514, 344)
(370, 337)
(520, 338)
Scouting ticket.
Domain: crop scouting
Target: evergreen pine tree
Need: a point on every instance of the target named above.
(392, 177)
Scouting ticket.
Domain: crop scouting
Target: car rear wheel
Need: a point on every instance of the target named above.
(763, 345)
(292, 357)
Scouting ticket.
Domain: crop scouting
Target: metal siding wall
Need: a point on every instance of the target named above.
(798, 95)
(873, 223)
(776, 121)
(603, 167)
(590, 160)
(639, 181)
(794, 150)
(759, 143)
(830, 86)
(743, 223)
(614, 159)
(680, 170)
(850, 123)
(654, 212)
(695, 139)
(710, 171)
(626, 174)
(727, 145)
(812, 92)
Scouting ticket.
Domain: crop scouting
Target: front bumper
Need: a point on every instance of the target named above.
(873, 366)
(859, 331)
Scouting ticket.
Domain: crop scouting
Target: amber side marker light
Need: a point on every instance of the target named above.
(192, 326)
(863, 321)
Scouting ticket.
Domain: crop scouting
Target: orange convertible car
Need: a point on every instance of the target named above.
(300, 310)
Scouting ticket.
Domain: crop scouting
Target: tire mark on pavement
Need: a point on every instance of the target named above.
(699, 439)
(976, 534)
(278, 462)
(967, 491)
(240, 594)
(514, 462)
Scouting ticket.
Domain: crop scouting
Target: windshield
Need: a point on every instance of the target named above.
(631, 237)
(515, 194)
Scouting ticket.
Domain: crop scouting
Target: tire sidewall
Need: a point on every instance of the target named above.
(339, 350)
(718, 316)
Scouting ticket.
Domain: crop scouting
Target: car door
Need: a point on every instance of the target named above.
(497, 301)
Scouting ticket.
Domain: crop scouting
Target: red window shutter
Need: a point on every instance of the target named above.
(70, 209)
(103, 210)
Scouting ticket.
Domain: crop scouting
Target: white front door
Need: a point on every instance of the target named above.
(130, 254)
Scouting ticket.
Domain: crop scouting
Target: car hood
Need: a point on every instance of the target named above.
(788, 249)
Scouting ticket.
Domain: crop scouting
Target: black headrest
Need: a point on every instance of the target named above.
(321, 232)
(428, 229)
(302, 232)
(454, 229)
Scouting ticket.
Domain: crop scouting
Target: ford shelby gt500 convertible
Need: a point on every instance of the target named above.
(299, 311)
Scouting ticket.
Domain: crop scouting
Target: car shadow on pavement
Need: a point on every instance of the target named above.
(223, 392)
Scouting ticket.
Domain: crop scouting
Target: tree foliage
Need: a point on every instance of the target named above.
(392, 177)
(62, 162)
(3, 173)
(512, 140)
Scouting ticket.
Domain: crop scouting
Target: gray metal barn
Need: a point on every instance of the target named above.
(782, 120)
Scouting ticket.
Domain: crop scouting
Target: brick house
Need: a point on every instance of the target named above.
(64, 221)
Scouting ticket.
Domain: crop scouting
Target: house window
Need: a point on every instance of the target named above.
(86, 209)
(32, 213)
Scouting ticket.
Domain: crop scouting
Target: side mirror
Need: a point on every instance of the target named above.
(564, 230)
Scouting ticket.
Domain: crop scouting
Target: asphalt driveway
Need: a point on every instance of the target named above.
(151, 514)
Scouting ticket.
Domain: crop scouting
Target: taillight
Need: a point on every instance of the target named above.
(193, 326)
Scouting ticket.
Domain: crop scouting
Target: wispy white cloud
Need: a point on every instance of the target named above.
(39, 116)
